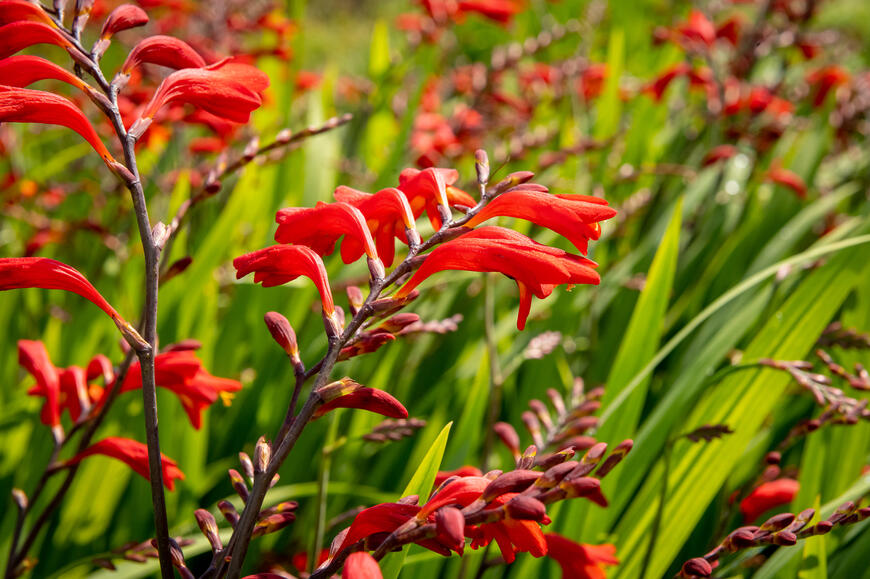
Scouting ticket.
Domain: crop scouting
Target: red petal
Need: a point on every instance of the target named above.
(133, 454)
(163, 51)
(33, 357)
(361, 565)
(123, 17)
(320, 227)
(370, 399)
(19, 35)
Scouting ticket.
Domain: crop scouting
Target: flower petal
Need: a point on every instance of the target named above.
(135, 455)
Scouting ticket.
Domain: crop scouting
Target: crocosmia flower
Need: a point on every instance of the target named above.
(320, 227)
(23, 70)
(512, 536)
(361, 565)
(768, 495)
(432, 190)
(166, 51)
(19, 35)
(382, 518)
(33, 357)
(135, 455)
(388, 216)
(579, 561)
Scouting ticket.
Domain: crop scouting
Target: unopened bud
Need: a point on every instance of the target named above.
(176, 268)
(777, 522)
(413, 238)
(332, 325)
(553, 459)
(229, 512)
(620, 452)
(239, 484)
(262, 454)
(20, 499)
(514, 481)
(273, 523)
(284, 507)
(247, 465)
(282, 332)
(554, 475)
(785, 539)
(697, 567)
(283, 137)
(773, 457)
(376, 269)
(822, 527)
(526, 508)
(397, 323)
(528, 459)
(742, 538)
(450, 527)
(338, 388)
(508, 435)
(481, 166)
(251, 149)
(584, 487)
(355, 299)
(209, 528)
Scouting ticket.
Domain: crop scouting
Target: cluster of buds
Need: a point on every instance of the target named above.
(783, 530)
(509, 507)
(141, 552)
(394, 430)
(838, 335)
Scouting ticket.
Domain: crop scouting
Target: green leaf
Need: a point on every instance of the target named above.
(420, 484)
(814, 564)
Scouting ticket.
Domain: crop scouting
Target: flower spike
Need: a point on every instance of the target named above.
(135, 455)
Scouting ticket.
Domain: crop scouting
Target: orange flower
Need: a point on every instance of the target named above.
(513, 536)
(579, 561)
(824, 80)
(536, 268)
(574, 216)
(320, 227)
(16, 10)
(133, 454)
(165, 51)
(123, 17)
(698, 29)
(768, 496)
(501, 11)
(21, 105)
(361, 565)
(280, 264)
(387, 214)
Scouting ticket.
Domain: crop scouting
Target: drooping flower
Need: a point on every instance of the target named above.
(768, 495)
(432, 190)
(182, 373)
(165, 51)
(17, 36)
(361, 565)
(320, 227)
(135, 455)
(536, 268)
(33, 357)
(23, 70)
(579, 561)
(382, 518)
(227, 89)
(346, 393)
(388, 215)
(21, 105)
(576, 217)
(512, 535)
(75, 394)
(463, 491)
(280, 264)
(698, 29)
(18, 10)
(782, 176)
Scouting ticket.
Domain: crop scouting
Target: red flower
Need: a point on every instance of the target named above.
(361, 565)
(33, 357)
(227, 89)
(346, 393)
(133, 454)
(536, 268)
(657, 88)
(430, 189)
(574, 216)
(183, 374)
(382, 518)
(307, 80)
(698, 29)
(320, 227)
(501, 11)
(15, 10)
(719, 153)
(23, 70)
(21, 34)
(777, 174)
(165, 51)
(462, 491)
(443, 475)
(590, 83)
(280, 264)
(21, 105)
(41, 272)
(768, 496)
(580, 561)
(75, 393)
(123, 17)
(387, 214)
(513, 536)
(824, 80)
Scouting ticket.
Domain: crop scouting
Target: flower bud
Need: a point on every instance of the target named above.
(554, 475)
(355, 299)
(555, 458)
(20, 499)
(209, 528)
(239, 484)
(450, 528)
(272, 523)
(282, 332)
(697, 567)
(584, 487)
(620, 452)
(262, 454)
(526, 508)
(229, 512)
(481, 166)
(247, 465)
(528, 459)
(508, 435)
(777, 522)
(510, 482)
(785, 539)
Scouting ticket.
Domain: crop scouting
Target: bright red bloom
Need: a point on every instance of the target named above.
(430, 188)
(501, 11)
(75, 393)
(768, 496)
(23, 33)
(824, 80)
(21, 105)
(443, 475)
(320, 227)
(346, 393)
(382, 518)
(133, 454)
(165, 51)
(388, 215)
(280, 264)
(33, 357)
(698, 29)
(576, 217)
(462, 491)
(719, 153)
(730, 30)
(579, 561)
(781, 176)
(361, 565)
(23, 70)
(123, 17)
(513, 536)
(656, 89)
(227, 89)
(16, 10)
(590, 83)
(41, 272)
(182, 373)
(307, 80)
(536, 268)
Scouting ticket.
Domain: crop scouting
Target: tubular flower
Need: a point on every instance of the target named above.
(781, 176)
(227, 89)
(23, 70)
(361, 565)
(182, 373)
(16, 10)
(165, 51)
(576, 217)
(824, 80)
(698, 28)
(21, 34)
(387, 215)
(383, 518)
(579, 561)
(123, 17)
(133, 454)
(346, 393)
(74, 392)
(443, 475)
(501, 11)
(280, 264)
(768, 496)
(462, 491)
(45, 273)
(513, 536)
(21, 105)
(432, 190)
(536, 268)
(33, 357)
(320, 227)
